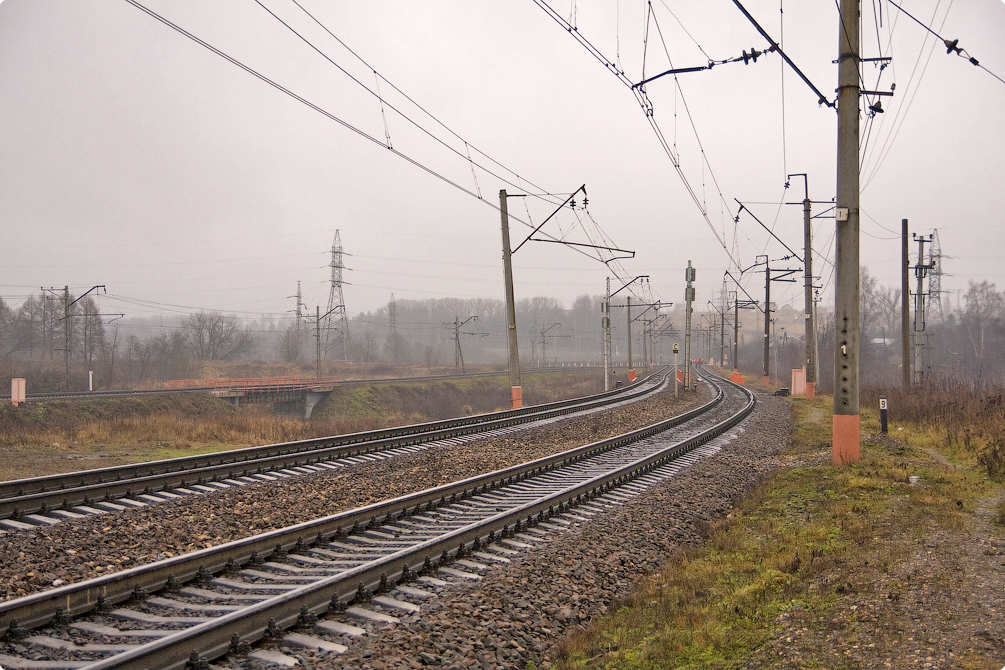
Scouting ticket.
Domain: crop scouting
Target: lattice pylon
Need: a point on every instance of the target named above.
(935, 277)
(336, 322)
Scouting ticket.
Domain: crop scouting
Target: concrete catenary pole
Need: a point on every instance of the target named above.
(689, 294)
(317, 336)
(722, 334)
(606, 334)
(67, 331)
(766, 379)
(905, 307)
(809, 330)
(514, 354)
(736, 332)
(630, 334)
(458, 357)
(846, 426)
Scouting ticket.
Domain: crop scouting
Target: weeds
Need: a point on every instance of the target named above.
(992, 459)
(968, 422)
(792, 547)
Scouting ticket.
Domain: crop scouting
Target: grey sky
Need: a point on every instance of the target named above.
(135, 158)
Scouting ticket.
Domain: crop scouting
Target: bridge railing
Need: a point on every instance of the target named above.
(254, 384)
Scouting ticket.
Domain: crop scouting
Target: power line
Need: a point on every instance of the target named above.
(326, 113)
(903, 110)
(951, 45)
(383, 101)
(821, 97)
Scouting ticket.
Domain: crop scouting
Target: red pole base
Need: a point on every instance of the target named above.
(811, 390)
(517, 397)
(846, 441)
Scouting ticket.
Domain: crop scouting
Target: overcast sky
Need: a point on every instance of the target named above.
(137, 158)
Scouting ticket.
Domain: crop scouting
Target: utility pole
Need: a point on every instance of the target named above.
(544, 339)
(905, 307)
(458, 353)
(737, 306)
(645, 350)
(631, 368)
(689, 298)
(810, 328)
(847, 419)
(722, 330)
(514, 354)
(67, 323)
(606, 334)
(300, 299)
(67, 328)
(607, 315)
(736, 335)
(317, 336)
(765, 378)
(920, 271)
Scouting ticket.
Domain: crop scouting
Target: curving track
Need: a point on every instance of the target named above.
(262, 585)
(45, 500)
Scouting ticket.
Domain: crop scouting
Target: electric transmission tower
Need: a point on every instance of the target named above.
(336, 322)
(300, 316)
(392, 347)
(935, 276)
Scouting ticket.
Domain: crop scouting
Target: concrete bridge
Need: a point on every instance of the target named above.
(300, 393)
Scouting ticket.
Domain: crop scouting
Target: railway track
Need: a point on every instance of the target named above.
(366, 563)
(46, 500)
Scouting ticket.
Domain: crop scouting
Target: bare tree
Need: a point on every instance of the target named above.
(985, 309)
(8, 337)
(91, 335)
(168, 354)
(213, 336)
(292, 345)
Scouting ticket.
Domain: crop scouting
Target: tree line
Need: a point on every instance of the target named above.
(966, 343)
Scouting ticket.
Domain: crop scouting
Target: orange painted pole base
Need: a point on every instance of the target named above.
(517, 397)
(845, 439)
(811, 390)
(766, 382)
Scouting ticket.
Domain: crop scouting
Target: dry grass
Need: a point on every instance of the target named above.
(965, 423)
(64, 435)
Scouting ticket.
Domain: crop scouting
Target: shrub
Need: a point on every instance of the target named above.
(992, 459)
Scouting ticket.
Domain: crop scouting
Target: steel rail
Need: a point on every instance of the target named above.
(40, 494)
(215, 638)
(75, 599)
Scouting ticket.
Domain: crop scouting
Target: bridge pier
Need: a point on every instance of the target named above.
(312, 398)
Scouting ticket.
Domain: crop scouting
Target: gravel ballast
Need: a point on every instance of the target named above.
(518, 612)
(80, 549)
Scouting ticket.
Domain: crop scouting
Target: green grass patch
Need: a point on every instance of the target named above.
(792, 545)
